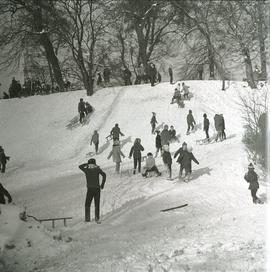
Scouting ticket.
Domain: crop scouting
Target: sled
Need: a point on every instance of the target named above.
(90, 154)
(202, 141)
(108, 138)
(174, 208)
(52, 220)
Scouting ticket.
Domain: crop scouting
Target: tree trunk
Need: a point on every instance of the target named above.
(249, 70)
(211, 59)
(142, 46)
(261, 39)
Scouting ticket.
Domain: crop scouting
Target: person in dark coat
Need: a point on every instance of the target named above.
(218, 126)
(167, 159)
(185, 160)
(170, 74)
(223, 134)
(252, 178)
(180, 152)
(153, 122)
(137, 155)
(158, 77)
(99, 79)
(152, 74)
(4, 193)
(127, 77)
(95, 140)
(206, 124)
(173, 137)
(116, 132)
(190, 121)
(81, 110)
(92, 172)
(3, 160)
(158, 143)
(106, 75)
(165, 136)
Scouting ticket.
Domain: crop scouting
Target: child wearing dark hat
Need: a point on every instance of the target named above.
(252, 178)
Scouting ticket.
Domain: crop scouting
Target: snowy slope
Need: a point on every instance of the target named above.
(220, 217)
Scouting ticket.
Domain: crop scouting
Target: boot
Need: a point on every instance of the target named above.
(87, 214)
(134, 172)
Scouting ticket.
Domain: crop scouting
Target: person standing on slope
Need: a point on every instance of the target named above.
(180, 152)
(170, 74)
(252, 178)
(190, 121)
(95, 140)
(81, 110)
(218, 126)
(4, 193)
(185, 90)
(167, 159)
(223, 134)
(3, 160)
(185, 160)
(158, 143)
(153, 122)
(206, 124)
(165, 136)
(116, 153)
(137, 155)
(116, 132)
(92, 172)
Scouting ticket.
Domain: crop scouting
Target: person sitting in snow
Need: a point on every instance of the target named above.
(95, 140)
(3, 160)
(185, 160)
(173, 137)
(158, 143)
(92, 172)
(167, 159)
(185, 90)
(150, 166)
(4, 193)
(190, 121)
(153, 122)
(137, 155)
(116, 132)
(88, 108)
(116, 153)
(252, 178)
(180, 152)
(165, 136)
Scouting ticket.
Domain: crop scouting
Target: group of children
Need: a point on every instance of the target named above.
(180, 94)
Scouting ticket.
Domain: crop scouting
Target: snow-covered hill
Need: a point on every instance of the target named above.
(217, 231)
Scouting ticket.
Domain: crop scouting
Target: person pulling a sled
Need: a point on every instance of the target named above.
(150, 166)
(92, 173)
(81, 110)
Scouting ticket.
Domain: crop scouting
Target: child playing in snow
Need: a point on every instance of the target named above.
(95, 140)
(150, 165)
(116, 153)
(167, 159)
(153, 122)
(158, 143)
(252, 178)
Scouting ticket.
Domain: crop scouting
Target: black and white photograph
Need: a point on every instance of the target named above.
(134, 136)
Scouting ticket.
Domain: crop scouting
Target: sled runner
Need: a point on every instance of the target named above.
(174, 208)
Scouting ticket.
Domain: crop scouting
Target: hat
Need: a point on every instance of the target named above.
(184, 143)
(149, 154)
(116, 125)
(204, 115)
(190, 111)
(250, 166)
(92, 161)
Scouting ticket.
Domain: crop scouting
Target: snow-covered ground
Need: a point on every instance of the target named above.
(220, 229)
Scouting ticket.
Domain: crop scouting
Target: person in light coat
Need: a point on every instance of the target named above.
(116, 154)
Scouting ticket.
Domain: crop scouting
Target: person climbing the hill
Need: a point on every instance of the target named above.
(206, 124)
(158, 143)
(88, 108)
(167, 159)
(173, 137)
(137, 155)
(3, 160)
(218, 126)
(165, 136)
(95, 140)
(150, 166)
(116, 132)
(170, 70)
(153, 122)
(223, 134)
(185, 90)
(176, 96)
(92, 172)
(116, 153)
(185, 160)
(4, 193)
(180, 153)
(190, 121)
(252, 178)
(81, 110)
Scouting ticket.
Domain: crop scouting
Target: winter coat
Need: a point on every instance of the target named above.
(136, 151)
(177, 94)
(150, 163)
(172, 133)
(179, 152)
(81, 106)
(95, 138)
(206, 124)
(3, 157)
(190, 119)
(167, 158)
(92, 173)
(186, 89)
(158, 141)
(185, 160)
(222, 123)
(252, 178)
(3, 193)
(115, 132)
(165, 137)
(153, 120)
(116, 153)
(218, 122)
